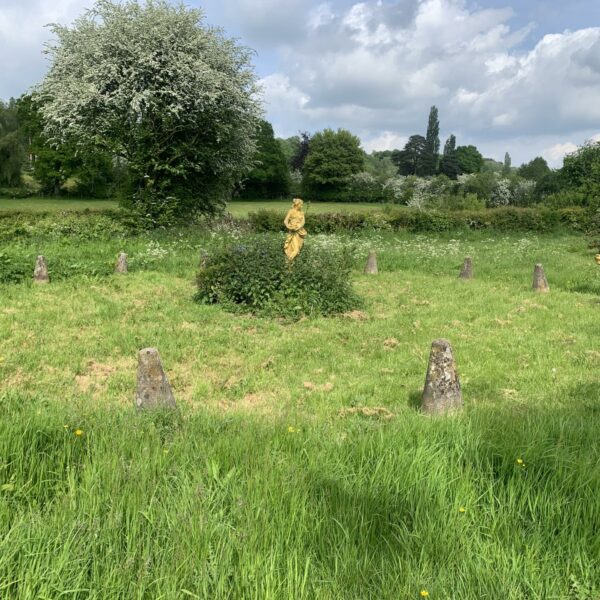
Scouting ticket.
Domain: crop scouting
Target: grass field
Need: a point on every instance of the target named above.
(237, 209)
(299, 465)
(54, 204)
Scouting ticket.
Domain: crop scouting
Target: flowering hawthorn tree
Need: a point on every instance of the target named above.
(175, 100)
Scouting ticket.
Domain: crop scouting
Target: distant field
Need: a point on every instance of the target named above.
(237, 209)
(241, 209)
(54, 204)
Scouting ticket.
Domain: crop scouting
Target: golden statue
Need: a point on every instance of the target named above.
(294, 221)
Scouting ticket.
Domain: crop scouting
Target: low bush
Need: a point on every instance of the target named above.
(256, 276)
(52, 225)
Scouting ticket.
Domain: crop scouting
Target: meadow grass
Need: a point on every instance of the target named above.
(298, 465)
(239, 208)
(54, 204)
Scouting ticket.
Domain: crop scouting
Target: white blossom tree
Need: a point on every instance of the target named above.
(178, 101)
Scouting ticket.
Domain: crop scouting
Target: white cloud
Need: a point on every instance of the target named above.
(370, 69)
(320, 15)
(387, 140)
(554, 154)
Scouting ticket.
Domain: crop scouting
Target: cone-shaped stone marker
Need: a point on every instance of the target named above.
(442, 391)
(153, 389)
(371, 266)
(467, 269)
(40, 273)
(540, 283)
(121, 266)
(203, 260)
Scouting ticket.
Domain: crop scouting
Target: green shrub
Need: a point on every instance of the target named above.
(85, 225)
(12, 270)
(255, 275)
(504, 219)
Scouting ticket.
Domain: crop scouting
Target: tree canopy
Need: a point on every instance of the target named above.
(153, 85)
(469, 159)
(333, 157)
(270, 176)
(410, 159)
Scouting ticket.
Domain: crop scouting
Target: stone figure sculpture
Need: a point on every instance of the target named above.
(294, 221)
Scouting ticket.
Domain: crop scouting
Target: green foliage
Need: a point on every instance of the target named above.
(581, 171)
(270, 177)
(12, 270)
(449, 164)
(410, 160)
(254, 275)
(380, 166)
(53, 165)
(481, 184)
(506, 168)
(12, 145)
(301, 152)
(404, 219)
(432, 143)
(469, 159)
(55, 226)
(333, 157)
(152, 85)
(535, 170)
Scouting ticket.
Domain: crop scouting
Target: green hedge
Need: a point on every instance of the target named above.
(499, 219)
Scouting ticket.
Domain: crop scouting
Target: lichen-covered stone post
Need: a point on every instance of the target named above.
(371, 266)
(40, 273)
(442, 391)
(153, 389)
(467, 269)
(540, 283)
(121, 266)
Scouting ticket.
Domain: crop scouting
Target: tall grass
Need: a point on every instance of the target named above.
(262, 485)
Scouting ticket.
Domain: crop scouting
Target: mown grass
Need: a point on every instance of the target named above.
(236, 208)
(54, 204)
(265, 484)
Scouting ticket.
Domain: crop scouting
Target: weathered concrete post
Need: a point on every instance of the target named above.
(203, 260)
(540, 283)
(467, 269)
(40, 273)
(153, 389)
(442, 392)
(371, 266)
(121, 266)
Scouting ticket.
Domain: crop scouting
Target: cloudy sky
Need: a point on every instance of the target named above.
(521, 76)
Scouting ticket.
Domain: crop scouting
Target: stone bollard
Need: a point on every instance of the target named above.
(442, 392)
(40, 273)
(121, 266)
(371, 266)
(540, 283)
(467, 269)
(153, 389)
(203, 260)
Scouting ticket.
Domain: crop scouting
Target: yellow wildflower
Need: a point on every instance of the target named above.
(462, 509)
(292, 429)
(424, 594)
(520, 461)
(78, 432)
